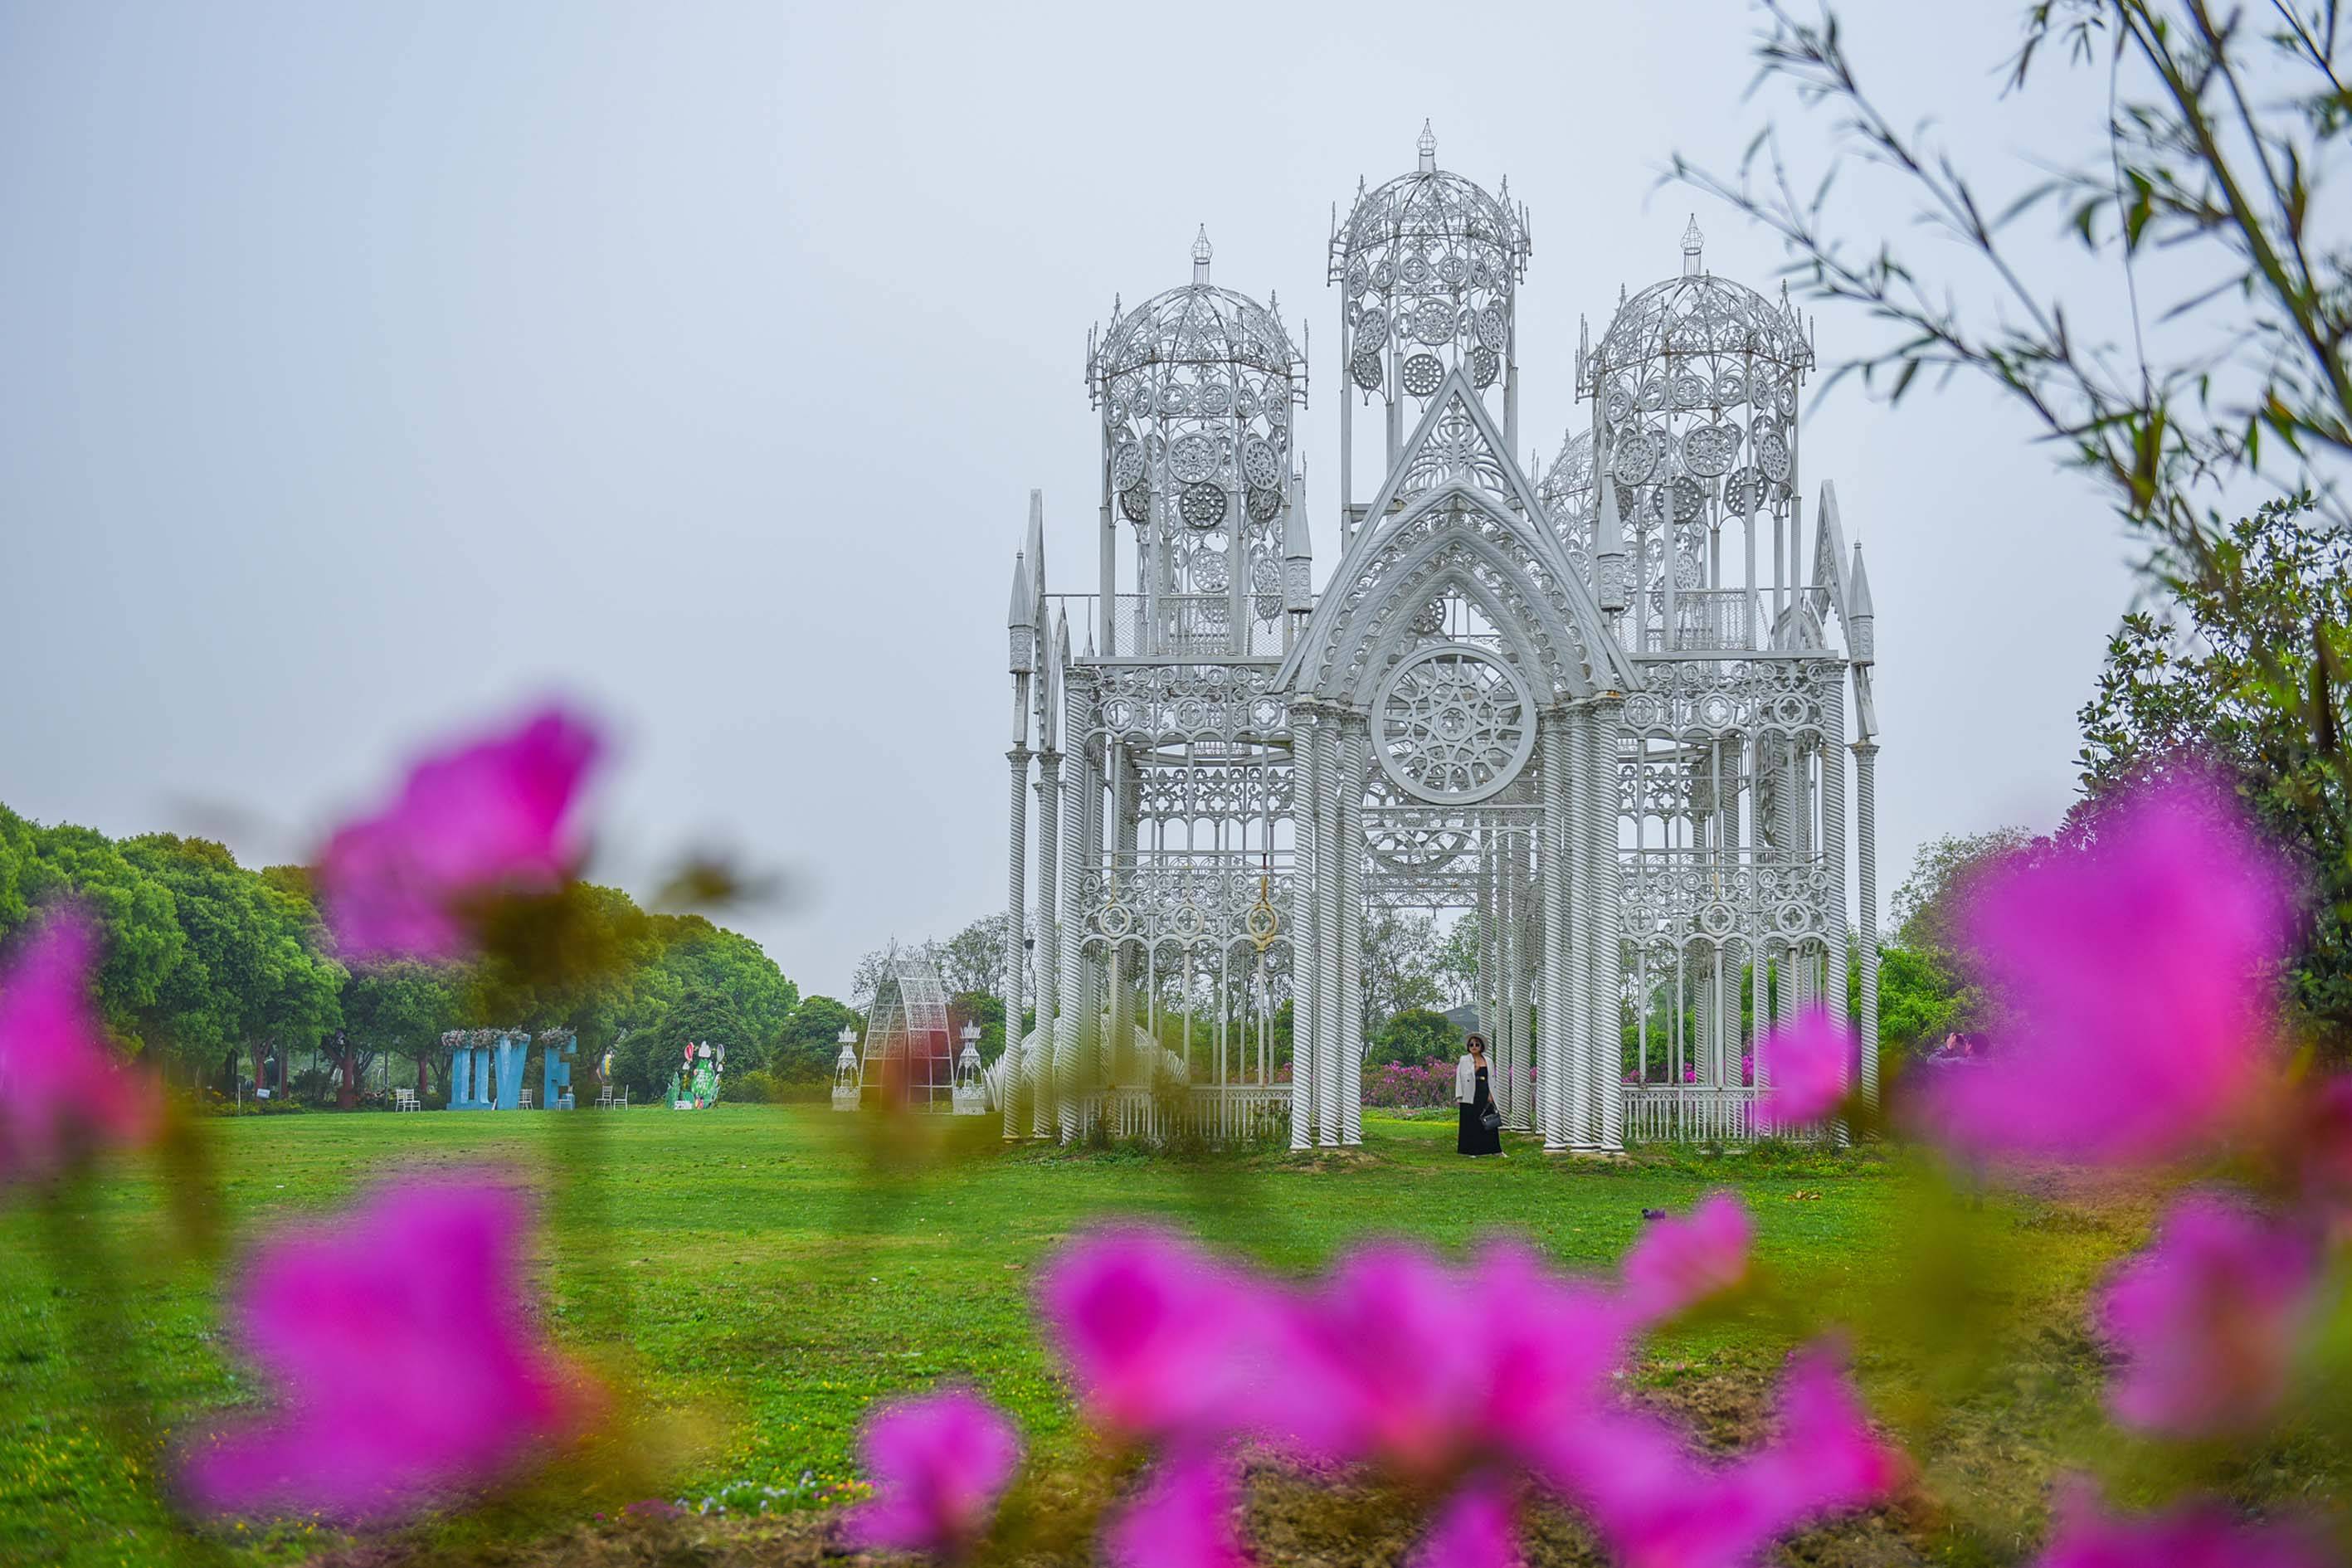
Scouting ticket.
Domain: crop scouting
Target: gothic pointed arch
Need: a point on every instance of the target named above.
(1456, 514)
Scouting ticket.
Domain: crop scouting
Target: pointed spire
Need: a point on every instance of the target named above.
(1024, 597)
(1609, 548)
(1036, 557)
(1201, 251)
(1428, 146)
(1693, 242)
(1062, 637)
(1861, 623)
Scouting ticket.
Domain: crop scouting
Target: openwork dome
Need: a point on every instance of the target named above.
(1697, 379)
(1195, 387)
(1427, 262)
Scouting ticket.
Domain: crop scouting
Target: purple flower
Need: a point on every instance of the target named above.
(490, 818)
(1426, 1369)
(1807, 1062)
(2209, 1319)
(2200, 1535)
(1185, 1516)
(2136, 968)
(61, 1090)
(938, 1465)
(1680, 1262)
(1164, 1340)
(401, 1344)
(1475, 1527)
(1656, 1505)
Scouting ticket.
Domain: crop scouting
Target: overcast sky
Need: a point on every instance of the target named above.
(366, 371)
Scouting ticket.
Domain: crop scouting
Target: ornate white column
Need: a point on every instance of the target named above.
(1557, 1069)
(1354, 751)
(1865, 825)
(1074, 993)
(1833, 839)
(1049, 942)
(1308, 944)
(1015, 925)
(1489, 1000)
(1509, 1044)
(1330, 1018)
(1603, 909)
(1094, 1047)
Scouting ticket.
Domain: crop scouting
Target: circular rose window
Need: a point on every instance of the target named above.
(1454, 724)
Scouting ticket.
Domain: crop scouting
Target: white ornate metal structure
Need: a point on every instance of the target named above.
(910, 1049)
(1572, 709)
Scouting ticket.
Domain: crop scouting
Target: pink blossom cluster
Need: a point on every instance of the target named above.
(406, 1364)
(62, 1093)
(1400, 1085)
(487, 817)
(2138, 970)
(1484, 1385)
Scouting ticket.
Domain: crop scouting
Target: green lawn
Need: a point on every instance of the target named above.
(752, 1277)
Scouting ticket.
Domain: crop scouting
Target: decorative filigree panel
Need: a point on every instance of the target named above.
(1706, 700)
(1193, 899)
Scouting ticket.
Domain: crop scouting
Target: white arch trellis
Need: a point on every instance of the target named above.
(1604, 709)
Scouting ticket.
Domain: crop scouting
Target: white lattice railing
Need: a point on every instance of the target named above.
(1702, 620)
(1174, 626)
(1670, 1113)
(1236, 1113)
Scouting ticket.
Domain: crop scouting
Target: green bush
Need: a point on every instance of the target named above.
(754, 1088)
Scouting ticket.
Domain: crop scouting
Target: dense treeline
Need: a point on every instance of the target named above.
(224, 976)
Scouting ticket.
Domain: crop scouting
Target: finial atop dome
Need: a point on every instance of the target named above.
(1692, 242)
(1428, 146)
(1201, 251)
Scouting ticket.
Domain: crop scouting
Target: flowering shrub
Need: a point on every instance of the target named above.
(1397, 1085)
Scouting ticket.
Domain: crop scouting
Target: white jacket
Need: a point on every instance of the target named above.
(1466, 1079)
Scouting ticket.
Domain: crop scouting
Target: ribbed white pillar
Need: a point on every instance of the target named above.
(1043, 1120)
(1556, 1072)
(1331, 1019)
(1354, 751)
(1604, 907)
(1067, 1034)
(1865, 826)
(1593, 1085)
(1834, 843)
(1309, 943)
(1016, 905)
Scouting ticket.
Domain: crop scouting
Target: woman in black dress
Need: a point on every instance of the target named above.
(1476, 1099)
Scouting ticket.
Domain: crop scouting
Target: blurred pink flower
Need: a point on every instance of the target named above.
(1185, 1516)
(1807, 1064)
(487, 817)
(405, 1362)
(2200, 1535)
(938, 1465)
(2209, 1319)
(1163, 1338)
(2137, 967)
(61, 1088)
(1475, 1527)
(1427, 1369)
(1678, 1263)
(1656, 1505)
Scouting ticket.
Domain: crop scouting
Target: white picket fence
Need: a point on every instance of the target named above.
(1682, 1113)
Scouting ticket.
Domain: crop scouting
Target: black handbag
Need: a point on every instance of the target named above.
(1492, 1122)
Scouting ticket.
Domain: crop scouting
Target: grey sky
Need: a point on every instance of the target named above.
(369, 371)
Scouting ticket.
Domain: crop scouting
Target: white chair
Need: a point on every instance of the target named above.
(526, 1099)
(404, 1100)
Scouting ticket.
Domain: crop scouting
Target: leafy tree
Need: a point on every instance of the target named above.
(1455, 970)
(2198, 686)
(401, 1007)
(1417, 1035)
(2218, 132)
(810, 1039)
(1925, 909)
(136, 915)
(251, 971)
(1401, 962)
